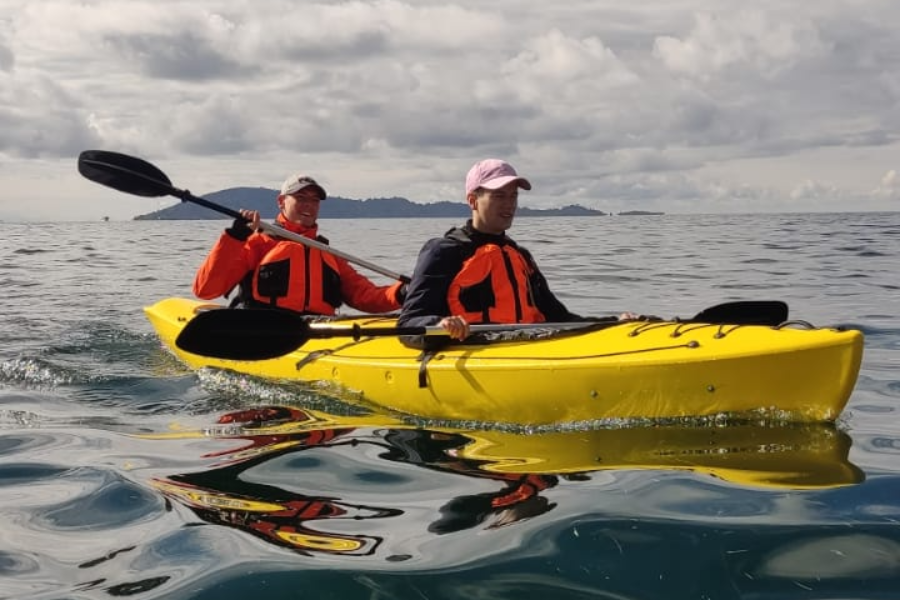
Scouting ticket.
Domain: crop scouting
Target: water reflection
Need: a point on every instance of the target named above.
(320, 484)
(222, 496)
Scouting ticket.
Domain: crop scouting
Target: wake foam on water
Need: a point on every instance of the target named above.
(761, 418)
(35, 373)
(235, 390)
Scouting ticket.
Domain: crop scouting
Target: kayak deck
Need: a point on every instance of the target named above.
(633, 370)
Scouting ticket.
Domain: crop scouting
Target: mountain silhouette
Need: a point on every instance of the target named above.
(263, 200)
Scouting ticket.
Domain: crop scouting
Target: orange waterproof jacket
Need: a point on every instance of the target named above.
(494, 286)
(287, 274)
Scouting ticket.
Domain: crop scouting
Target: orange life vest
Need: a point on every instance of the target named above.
(494, 286)
(294, 276)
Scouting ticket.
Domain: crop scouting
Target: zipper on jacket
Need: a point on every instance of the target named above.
(306, 278)
(510, 272)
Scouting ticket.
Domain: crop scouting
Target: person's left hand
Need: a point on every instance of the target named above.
(630, 316)
(457, 327)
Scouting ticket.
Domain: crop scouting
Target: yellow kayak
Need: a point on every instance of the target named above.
(632, 370)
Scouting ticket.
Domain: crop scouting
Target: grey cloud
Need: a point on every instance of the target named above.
(39, 118)
(363, 46)
(7, 59)
(454, 126)
(57, 134)
(184, 57)
(877, 137)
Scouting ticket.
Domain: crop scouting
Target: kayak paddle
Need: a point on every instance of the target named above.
(745, 312)
(136, 176)
(261, 334)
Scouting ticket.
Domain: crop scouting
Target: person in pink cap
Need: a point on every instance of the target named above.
(476, 273)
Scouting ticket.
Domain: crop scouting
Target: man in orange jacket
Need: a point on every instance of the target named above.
(280, 273)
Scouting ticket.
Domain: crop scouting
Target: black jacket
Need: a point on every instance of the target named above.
(441, 259)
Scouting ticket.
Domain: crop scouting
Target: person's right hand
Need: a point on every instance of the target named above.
(252, 217)
(457, 327)
(243, 227)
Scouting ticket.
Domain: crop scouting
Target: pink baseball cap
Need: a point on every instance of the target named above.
(493, 174)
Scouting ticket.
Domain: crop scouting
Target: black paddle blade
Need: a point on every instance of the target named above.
(745, 312)
(124, 173)
(243, 334)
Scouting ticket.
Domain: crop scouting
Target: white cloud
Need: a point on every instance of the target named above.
(889, 187)
(554, 60)
(810, 190)
(765, 42)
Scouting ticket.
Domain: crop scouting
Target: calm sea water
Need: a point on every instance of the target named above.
(124, 474)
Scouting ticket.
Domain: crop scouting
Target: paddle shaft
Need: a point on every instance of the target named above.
(277, 230)
(116, 170)
(358, 332)
(747, 312)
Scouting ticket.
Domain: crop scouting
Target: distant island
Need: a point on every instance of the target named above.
(263, 200)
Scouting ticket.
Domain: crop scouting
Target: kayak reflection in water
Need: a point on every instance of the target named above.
(222, 497)
(352, 491)
(225, 495)
(518, 499)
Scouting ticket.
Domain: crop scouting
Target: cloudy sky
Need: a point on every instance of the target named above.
(684, 106)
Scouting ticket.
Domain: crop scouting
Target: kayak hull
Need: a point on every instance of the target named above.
(636, 370)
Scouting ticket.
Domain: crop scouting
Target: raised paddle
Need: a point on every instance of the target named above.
(261, 334)
(136, 176)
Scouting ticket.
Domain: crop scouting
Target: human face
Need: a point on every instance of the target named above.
(301, 208)
(493, 210)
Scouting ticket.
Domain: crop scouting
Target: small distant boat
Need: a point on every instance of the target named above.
(105, 219)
